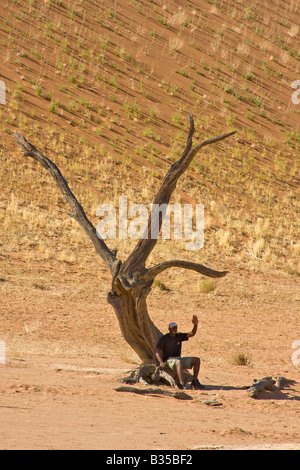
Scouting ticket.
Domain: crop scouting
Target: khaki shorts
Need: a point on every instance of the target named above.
(173, 361)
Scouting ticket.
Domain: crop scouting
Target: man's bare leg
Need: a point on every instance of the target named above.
(180, 371)
(196, 366)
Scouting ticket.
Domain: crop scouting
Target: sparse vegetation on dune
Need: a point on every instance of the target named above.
(91, 85)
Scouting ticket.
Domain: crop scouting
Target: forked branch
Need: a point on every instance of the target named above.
(137, 259)
(77, 211)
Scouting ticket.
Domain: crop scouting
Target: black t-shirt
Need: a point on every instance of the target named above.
(171, 345)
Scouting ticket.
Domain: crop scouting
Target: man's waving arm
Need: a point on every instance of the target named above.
(195, 327)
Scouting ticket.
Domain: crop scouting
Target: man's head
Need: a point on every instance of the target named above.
(173, 328)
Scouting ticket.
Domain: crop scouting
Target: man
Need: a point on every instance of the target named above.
(168, 353)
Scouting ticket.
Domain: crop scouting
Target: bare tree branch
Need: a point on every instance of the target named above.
(137, 259)
(77, 211)
(155, 270)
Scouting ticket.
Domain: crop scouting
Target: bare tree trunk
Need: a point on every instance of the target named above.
(136, 326)
(131, 280)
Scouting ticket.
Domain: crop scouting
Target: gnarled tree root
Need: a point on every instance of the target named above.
(151, 374)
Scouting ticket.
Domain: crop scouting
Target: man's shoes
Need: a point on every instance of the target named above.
(196, 385)
(182, 387)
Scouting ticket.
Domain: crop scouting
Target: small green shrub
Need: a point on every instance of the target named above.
(206, 286)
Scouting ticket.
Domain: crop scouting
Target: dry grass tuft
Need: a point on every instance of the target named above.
(239, 359)
(206, 286)
(159, 285)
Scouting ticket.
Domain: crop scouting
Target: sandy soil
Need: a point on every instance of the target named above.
(65, 360)
(70, 403)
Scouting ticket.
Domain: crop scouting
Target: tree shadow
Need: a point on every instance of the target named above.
(223, 387)
(277, 394)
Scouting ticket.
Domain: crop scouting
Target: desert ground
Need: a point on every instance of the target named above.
(65, 361)
(104, 89)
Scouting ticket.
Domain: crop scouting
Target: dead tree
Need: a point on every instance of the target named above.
(131, 279)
